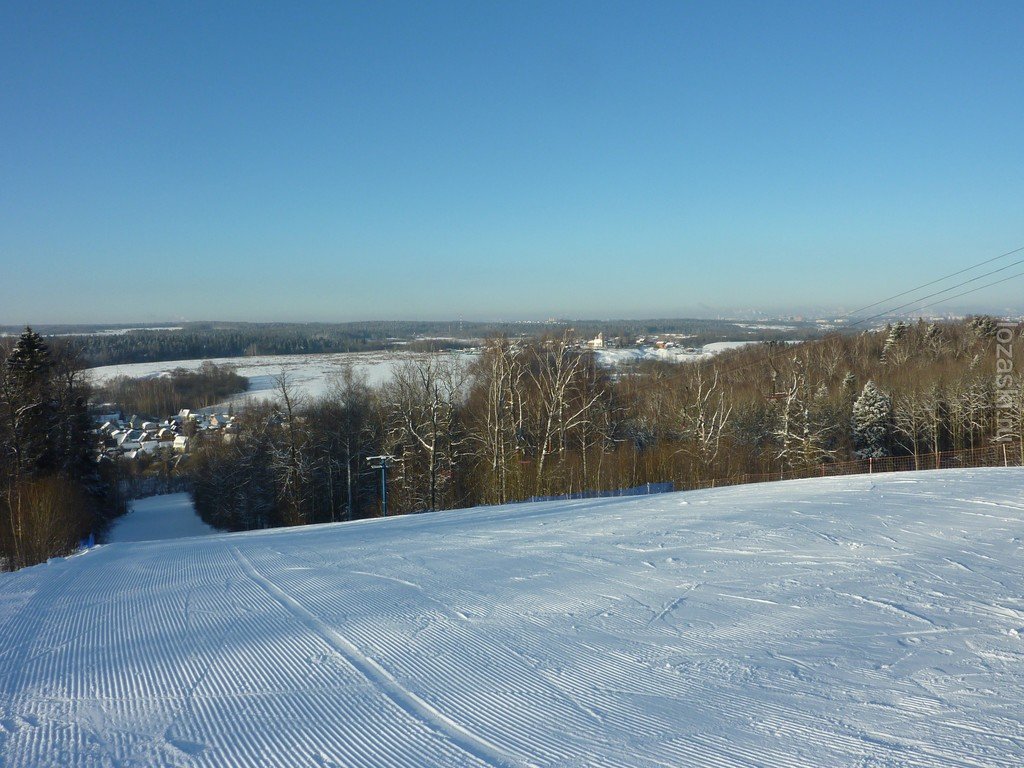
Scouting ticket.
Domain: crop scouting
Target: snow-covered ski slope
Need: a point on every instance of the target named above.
(856, 621)
(170, 516)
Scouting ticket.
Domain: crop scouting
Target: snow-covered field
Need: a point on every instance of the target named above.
(170, 516)
(310, 375)
(612, 358)
(313, 376)
(856, 621)
(121, 331)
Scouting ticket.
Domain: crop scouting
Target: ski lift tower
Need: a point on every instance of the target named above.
(382, 463)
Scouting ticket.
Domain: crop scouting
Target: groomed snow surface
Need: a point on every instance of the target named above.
(859, 621)
(159, 517)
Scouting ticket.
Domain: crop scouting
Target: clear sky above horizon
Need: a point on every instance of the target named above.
(372, 160)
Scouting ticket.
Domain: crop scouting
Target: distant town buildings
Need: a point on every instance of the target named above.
(127, 439)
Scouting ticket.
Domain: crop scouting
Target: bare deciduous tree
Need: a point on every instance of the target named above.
(423, 399)
(557, 372)
(290, 460)
(704, 420)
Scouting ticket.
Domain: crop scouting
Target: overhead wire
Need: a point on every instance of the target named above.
(973, 290)
(937, 280)
(937, 293)
(923, 298)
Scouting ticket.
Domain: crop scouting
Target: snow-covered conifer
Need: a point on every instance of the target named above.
(872, 422)
(896, 334)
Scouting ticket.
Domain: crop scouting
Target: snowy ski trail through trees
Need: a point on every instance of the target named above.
(168, 516)
(847, 621)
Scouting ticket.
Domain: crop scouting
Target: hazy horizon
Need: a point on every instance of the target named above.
(805, 315)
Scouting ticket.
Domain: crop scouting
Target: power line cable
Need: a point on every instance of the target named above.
(937, 280)
(937, 293)
(922, 298)
(973, 290)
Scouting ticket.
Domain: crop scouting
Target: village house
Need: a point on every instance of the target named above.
(141, 436)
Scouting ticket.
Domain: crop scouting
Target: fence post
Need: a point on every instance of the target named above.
(1006, 460)
(871, 465)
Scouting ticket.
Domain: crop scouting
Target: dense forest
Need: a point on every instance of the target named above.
(181, 388)
(52, 489)
(538, 417)
(211, 340)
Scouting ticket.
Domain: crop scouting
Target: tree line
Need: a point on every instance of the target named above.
(206, 342)
(182, 388)
(52, 489)
(538, 417)
(221, 339)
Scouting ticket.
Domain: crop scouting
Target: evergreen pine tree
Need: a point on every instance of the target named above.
(983, 326)
(872, 423)
(31, 410)
(933, 339)
(849, 386)
(896, 334)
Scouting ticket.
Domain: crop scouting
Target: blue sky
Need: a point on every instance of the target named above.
(500, 160)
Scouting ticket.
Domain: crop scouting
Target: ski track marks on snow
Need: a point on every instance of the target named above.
(843, 621)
